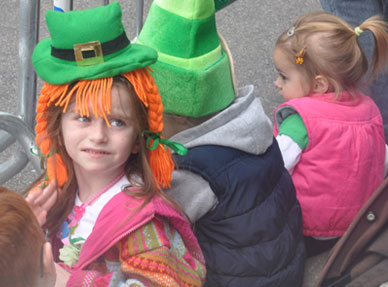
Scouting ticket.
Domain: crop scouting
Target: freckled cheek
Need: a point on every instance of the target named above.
(70, 138)
(127, 139)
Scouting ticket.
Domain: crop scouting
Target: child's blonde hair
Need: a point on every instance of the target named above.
(21, 240)
(331, 49)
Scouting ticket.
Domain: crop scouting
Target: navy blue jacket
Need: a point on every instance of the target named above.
(253, 237)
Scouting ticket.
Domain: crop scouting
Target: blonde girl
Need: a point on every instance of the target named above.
(331, 136)
(98, 129)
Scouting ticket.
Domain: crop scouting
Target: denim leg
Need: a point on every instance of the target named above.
(355, 12)
(384, 8)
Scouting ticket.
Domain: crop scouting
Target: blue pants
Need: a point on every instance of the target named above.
(355, 12)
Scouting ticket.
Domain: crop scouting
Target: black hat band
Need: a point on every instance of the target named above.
(109, 47)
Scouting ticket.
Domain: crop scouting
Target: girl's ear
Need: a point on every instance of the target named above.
(321, 84)
(136, 147)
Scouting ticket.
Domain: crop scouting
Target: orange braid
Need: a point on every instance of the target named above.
(49, 93)
(160, 159)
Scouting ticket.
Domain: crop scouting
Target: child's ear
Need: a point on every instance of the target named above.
(136, 147)
(321, 84)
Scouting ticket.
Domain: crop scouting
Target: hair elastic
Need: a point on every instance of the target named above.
(358, 31)
(291, 31)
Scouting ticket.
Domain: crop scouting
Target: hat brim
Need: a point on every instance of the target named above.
(57, 71)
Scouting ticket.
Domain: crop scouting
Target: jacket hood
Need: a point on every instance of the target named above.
(243, 126)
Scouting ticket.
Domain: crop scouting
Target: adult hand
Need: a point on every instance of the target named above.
(41, 200)
(62, 276)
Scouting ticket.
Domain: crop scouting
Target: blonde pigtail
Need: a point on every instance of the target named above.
(378, 27)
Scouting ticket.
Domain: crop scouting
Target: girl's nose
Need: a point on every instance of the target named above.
(98, 132)
(277, 83)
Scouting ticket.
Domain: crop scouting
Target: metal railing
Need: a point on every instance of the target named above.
(20, 127)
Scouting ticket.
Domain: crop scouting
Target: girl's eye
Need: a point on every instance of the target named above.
(83, 119)
(117, 123)
(282, 77)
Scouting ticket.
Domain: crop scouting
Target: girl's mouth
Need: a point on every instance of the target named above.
(93, 151)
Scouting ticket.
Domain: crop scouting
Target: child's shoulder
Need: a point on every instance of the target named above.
(124, 202)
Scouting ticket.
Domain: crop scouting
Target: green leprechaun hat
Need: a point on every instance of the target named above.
(86, 45)
(193, 71)
(86, 49)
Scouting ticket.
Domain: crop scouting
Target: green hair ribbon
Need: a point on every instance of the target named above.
(153, 140)
(36, 151)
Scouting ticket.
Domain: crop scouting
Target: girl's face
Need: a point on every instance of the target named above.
(95, 148)
(291, 82)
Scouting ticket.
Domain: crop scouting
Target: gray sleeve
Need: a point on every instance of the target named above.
(193, 193)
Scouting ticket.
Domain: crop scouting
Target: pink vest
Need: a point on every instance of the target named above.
(343, 163)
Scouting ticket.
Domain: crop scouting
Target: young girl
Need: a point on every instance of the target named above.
(26, 259)
(98, 126)
(331, 136)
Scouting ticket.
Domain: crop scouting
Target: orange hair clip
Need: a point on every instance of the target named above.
(299, 58)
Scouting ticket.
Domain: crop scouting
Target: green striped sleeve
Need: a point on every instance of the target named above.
(293, 126)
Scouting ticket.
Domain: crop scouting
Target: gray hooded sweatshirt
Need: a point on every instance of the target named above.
(243, 126)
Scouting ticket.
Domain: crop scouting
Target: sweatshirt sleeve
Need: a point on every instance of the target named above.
(292, 140)
(193, 193)
(290, 150)
(150, 256)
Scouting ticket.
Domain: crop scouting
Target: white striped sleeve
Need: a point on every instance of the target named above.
(290, 151)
